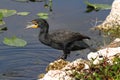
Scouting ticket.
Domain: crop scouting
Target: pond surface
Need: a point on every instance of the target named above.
(28, 62)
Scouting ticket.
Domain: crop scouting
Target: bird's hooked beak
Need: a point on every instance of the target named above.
(31, 25)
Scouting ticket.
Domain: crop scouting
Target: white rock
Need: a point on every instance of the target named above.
(56, 75)
(99, 55)
(64, 73)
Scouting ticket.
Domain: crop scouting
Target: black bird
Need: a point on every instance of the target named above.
(62, 40)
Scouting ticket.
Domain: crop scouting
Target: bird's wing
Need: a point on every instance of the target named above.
(66, 36)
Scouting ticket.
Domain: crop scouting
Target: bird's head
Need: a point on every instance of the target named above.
(37, 23)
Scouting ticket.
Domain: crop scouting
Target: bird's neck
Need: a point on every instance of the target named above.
(44, 31)
(43, 36)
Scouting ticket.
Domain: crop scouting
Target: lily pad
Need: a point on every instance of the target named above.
(96, 7)
(43, 15)
(23, 13)
(1, 19)
(1, 16)
(7, 12)
(2, 22)
(14, 41)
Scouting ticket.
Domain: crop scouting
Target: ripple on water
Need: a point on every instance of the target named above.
(25, 63)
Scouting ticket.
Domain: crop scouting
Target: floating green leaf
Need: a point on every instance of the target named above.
(96, 7)
(1, 16)
(2, 22)
(7, 12)
(23, 13)
(1, 19)
(43, 15)
(14, 41)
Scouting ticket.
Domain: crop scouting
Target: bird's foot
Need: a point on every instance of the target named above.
(64, 56)
(60, 57)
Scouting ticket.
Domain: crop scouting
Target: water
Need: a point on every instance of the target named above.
(28, 62)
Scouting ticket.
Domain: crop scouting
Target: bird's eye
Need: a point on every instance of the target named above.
(35, 23)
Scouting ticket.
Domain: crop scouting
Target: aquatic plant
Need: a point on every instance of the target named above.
(7, 12)
(23, 13)
(96, 7)
(14, 41)
(43, 15)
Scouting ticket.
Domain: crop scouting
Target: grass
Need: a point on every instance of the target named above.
(114, 32)
(102, 71)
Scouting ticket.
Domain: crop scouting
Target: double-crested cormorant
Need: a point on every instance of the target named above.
(62, 39)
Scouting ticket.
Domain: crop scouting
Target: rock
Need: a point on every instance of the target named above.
(115, 43)
(103, 53)
(108, 52)
(66, 73)
(57, 65)
(113, 19)
(56, 75)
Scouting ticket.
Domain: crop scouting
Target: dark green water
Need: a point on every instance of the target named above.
(28, 62)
